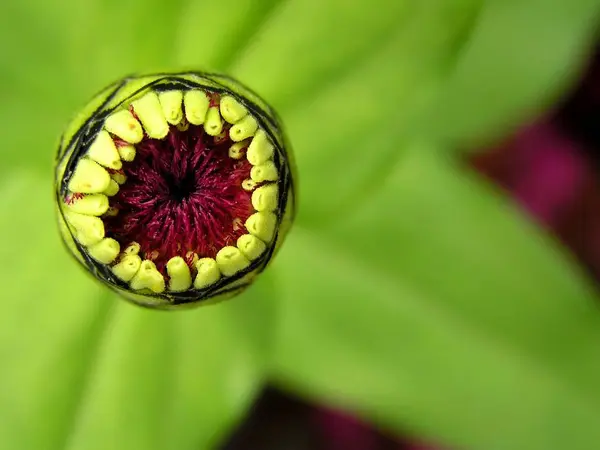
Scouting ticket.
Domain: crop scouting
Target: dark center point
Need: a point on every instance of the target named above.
(180, 188)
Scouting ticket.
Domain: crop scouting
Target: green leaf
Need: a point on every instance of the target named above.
(518, 60)
(83, 370)
(349, 98)
(436, 308)
(229, 26)
(33, 71)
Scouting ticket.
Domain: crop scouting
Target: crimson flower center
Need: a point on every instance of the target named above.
(182, 196)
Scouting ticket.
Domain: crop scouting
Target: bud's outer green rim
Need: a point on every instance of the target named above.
(86, 125)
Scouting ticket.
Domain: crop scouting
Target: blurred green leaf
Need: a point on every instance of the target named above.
(435, 308)
(519, 58)
(349, 97)
(81, 371)
(33, 68)
(229, 26)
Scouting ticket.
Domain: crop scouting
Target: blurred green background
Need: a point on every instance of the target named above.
(409, 291)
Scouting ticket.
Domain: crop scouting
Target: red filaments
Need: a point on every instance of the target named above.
(183, 194)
